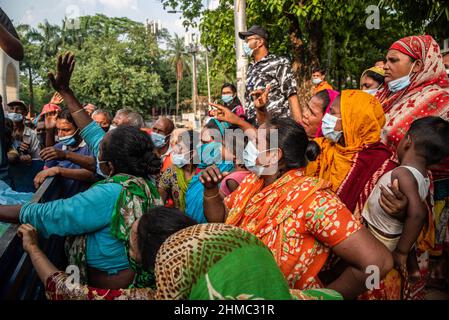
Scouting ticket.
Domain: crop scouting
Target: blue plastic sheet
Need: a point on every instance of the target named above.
(11, 197)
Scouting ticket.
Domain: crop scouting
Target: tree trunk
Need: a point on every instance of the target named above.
(177, 97)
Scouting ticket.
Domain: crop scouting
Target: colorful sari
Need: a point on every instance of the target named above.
(427, 94)
(203, 262)
(355, 168)
(136, 197)
(297, 217)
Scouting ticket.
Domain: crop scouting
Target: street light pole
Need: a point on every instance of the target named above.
(242, 61)
(207, 76)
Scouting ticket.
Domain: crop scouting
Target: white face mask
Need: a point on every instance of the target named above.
(401, 83)
(317, 80)
(447, 72)
(371, 91)
(328, 127)
(250, 155)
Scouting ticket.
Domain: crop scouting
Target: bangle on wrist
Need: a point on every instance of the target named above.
(72, 113)
(211, 197)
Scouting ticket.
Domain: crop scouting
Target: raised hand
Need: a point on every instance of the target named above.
(224, 114)
(50, 120)
(64, 68)
(211, 177)
(260, 97)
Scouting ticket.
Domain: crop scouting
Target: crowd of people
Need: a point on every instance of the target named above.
(269, 199)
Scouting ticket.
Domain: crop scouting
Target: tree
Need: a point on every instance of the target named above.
(330, 33)
(177, 52)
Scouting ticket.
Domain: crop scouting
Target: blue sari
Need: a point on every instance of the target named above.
(209, 154)
(195, 192)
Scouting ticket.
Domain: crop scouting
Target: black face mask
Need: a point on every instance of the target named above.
(106, 129)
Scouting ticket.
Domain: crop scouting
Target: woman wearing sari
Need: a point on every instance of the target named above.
(296, 216)
(416, 85)
(214, 258)
(210, 151)
(125, 157)
(175, 180)
(352, 157)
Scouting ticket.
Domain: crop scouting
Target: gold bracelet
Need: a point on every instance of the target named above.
(72, 113)
(211, 197)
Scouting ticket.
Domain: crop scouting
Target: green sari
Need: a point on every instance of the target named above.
(221, 262)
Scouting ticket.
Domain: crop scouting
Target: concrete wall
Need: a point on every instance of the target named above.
(9, 78)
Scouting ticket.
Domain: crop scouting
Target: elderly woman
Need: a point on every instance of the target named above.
(313, 114)
(299, 218)
(125, 158)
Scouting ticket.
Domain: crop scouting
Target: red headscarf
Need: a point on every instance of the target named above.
(427, 94)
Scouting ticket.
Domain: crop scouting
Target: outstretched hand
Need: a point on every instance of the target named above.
(224, 114)
(29, 237)
(64, 68)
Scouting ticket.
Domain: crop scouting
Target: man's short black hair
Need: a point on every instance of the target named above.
(430, 136)
(319, 69)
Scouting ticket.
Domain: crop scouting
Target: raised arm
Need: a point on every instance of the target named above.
(214, 208)
(61, 83)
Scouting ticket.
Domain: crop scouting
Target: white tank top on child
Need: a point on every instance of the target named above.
(377, 217)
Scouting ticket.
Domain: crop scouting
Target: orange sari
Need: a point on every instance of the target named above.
(297, 217)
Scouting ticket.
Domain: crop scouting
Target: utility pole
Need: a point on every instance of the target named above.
(242, 60)
(193, 49)
(207, 76)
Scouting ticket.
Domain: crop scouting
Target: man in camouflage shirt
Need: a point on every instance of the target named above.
(268, 69)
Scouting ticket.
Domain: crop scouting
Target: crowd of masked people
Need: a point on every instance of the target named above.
(353, 187)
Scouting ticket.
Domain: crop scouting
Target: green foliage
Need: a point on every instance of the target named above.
(331, 33)
(119, 63)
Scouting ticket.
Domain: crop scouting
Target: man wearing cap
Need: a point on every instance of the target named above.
(25, 140)
(269, 70)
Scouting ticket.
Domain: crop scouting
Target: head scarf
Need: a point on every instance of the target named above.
(374, 69)
(427, 94)
(217, 262)
(362, 119)
(332, 95)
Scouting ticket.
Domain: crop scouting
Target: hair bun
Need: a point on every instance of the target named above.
(313, 150)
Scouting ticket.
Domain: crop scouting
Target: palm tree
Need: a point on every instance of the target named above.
(178, 59)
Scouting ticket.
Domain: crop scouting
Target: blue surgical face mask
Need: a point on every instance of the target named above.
(180, 160)
(328, 127)
(15, 117)
(99, 171)
(401, 83)
(371, 91)
(158, 139)
(250, 155)
(247, 49)
(227, 98)
(68, 140)
(210, 153)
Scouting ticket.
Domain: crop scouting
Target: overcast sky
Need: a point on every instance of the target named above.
(35, 11)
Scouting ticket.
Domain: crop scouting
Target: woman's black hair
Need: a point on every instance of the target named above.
(325, 98)
(375, 76)
(229, 85)
(155, 227)
(65, 114)
(296, 147)
(131, 151)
